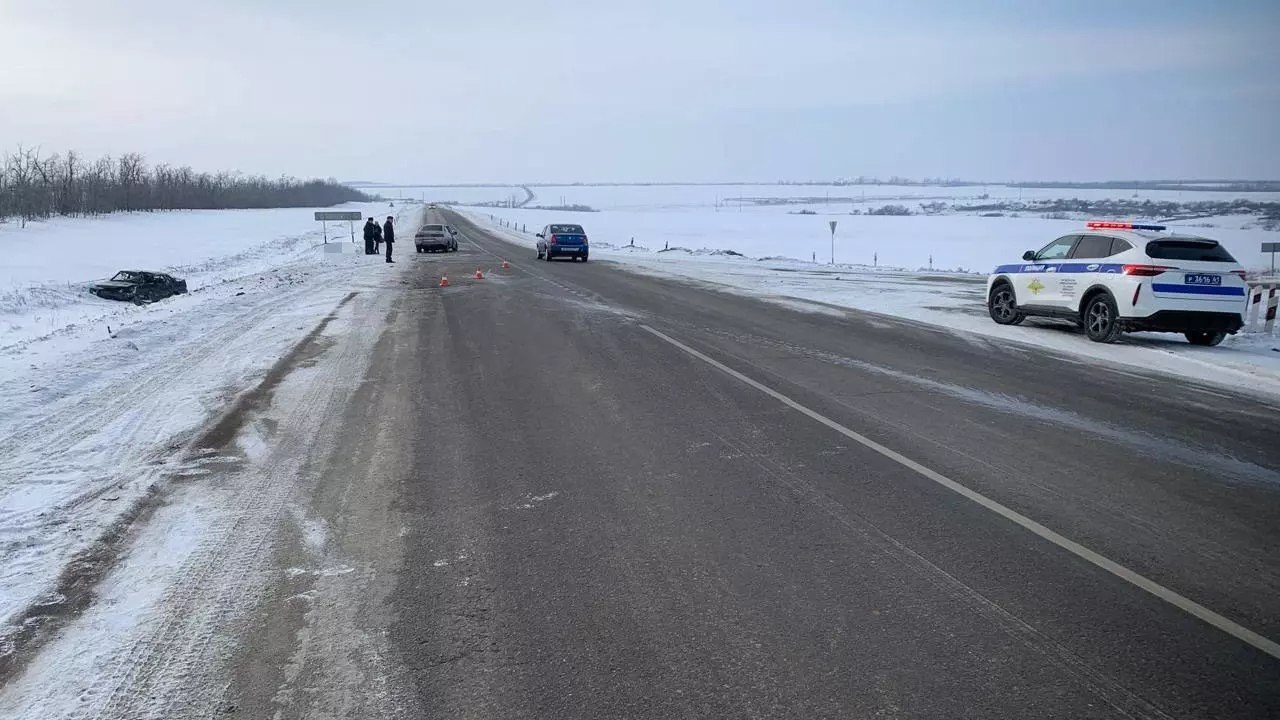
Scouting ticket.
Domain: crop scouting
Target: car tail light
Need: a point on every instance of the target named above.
(551, 240)
(1241, 274)
(1146, 270)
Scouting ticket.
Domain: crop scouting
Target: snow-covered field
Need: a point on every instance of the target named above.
(48, 265)
(882, 263)
(465, 195)
(93, 421)
(640, 197)
(710, 217)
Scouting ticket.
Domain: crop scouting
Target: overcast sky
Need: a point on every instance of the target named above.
(522, 90)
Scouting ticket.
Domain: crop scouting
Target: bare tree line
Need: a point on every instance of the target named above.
(33, 186)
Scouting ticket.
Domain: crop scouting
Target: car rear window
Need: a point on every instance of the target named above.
(572, 229)
(1118, 246)
(1193, 250)
(433, 228)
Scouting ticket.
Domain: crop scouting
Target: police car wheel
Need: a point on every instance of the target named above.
(1003, 306)
(1100, 321)
(1205, 338)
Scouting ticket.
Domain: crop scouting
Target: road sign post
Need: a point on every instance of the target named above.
(325, 216)
(833, 241)
(1273, 248)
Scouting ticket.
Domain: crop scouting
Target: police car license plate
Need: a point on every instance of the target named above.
(1190, 279)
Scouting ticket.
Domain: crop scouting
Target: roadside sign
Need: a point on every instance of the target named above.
(326, 216)
(1271, 247)
(833, 225)
(322, 216)
(833, 241)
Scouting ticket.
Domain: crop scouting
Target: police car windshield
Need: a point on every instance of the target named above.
(126, 276)
(1193, 250)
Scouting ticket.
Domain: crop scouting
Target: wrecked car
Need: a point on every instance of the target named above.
(139, 286)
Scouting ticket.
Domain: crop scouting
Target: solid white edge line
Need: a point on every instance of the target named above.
(1224, 624)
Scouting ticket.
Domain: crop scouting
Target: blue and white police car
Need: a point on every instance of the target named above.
(1116, 277)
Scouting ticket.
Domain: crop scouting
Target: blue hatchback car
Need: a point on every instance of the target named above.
(562, 241)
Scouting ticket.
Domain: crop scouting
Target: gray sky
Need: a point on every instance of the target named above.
(520, 90)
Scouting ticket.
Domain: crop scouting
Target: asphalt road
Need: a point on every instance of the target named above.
(575, 492)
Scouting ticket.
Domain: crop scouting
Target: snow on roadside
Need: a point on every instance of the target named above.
(48, 265)
(91, 422)
(686, 217)
(148, 645)
(952, 301)
(670, 197)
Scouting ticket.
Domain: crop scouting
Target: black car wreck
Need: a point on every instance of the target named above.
(139, 286)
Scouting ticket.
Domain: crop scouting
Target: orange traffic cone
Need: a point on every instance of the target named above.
(506, 265)
(444, 281)
(479, 275)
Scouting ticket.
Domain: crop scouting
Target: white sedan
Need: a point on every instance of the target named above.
(1116, 277)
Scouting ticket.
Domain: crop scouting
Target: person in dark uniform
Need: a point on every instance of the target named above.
(377, 237)
(369, 247)
(389, 236)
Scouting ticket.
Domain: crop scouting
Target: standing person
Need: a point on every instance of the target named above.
(389, 236)
(369, 247)
(377, 237)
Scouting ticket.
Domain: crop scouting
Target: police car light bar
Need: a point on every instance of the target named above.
(1100, 225)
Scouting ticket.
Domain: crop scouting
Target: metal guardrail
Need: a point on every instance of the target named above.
(1262, 292)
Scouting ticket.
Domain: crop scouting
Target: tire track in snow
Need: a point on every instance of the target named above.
(165, 664)
(114, 439)
(76, 585)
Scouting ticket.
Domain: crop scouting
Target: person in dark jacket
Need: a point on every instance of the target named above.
(369, 247)
(377, 237)
(389, 236)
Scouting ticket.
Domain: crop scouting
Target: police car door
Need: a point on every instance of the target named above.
(1040, 283)
(1087, 262)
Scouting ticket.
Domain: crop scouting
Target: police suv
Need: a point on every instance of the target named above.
(1116, 277)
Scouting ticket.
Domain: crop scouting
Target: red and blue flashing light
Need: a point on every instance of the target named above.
(1107, 225)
